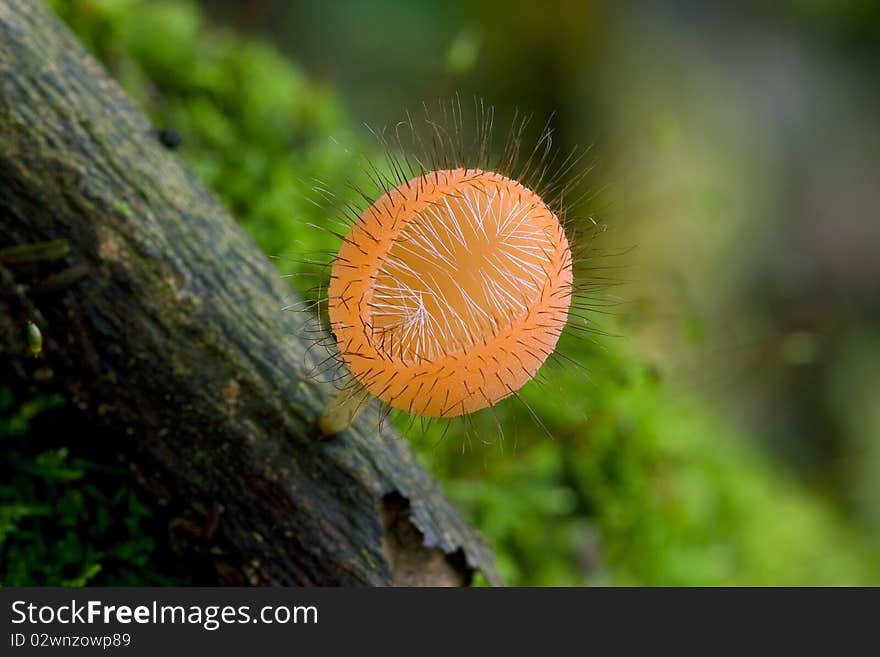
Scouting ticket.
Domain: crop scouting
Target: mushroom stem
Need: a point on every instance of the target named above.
(342, 408)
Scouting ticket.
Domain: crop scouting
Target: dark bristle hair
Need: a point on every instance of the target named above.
(436, 138)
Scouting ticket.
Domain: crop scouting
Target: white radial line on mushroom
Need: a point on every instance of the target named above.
(518, 281)
(473, 307)
(490, 288)
(547, 257)
(426, 242)
(395, 312)
(421, 312)
(434, 347)
(529, 248)
(466, 216)
(496, 214)
(456, 224)
(386, 301)
(468, 206)
(516, 303)
(434, 211)
(533, 284)
(410, 313)
(409, 317)
(405, 247)
(511, 214)
(524, 214)
(429, 334)
(455, 315)
(410, 330)
(430, 337)
(531, 266)
(394, 263)
(473, 204)
(440, 329)
(522, 277)
(414, 333)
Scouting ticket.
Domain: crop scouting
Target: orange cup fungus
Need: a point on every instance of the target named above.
(450, 291)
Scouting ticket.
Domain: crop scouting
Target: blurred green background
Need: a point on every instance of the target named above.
(729, 434)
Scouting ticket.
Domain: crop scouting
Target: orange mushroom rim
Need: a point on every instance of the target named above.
(430, 359)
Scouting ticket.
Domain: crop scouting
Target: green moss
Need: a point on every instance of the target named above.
(122, 208)
(254, 128)
(640, 485)
(65, 520)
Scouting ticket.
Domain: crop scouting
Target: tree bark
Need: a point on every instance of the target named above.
(163, 323)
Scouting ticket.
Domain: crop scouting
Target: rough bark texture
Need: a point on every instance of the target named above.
(163, 323)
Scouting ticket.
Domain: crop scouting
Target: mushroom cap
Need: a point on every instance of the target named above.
(450, 291)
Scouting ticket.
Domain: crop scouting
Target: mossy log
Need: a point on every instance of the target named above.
(163, 323)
